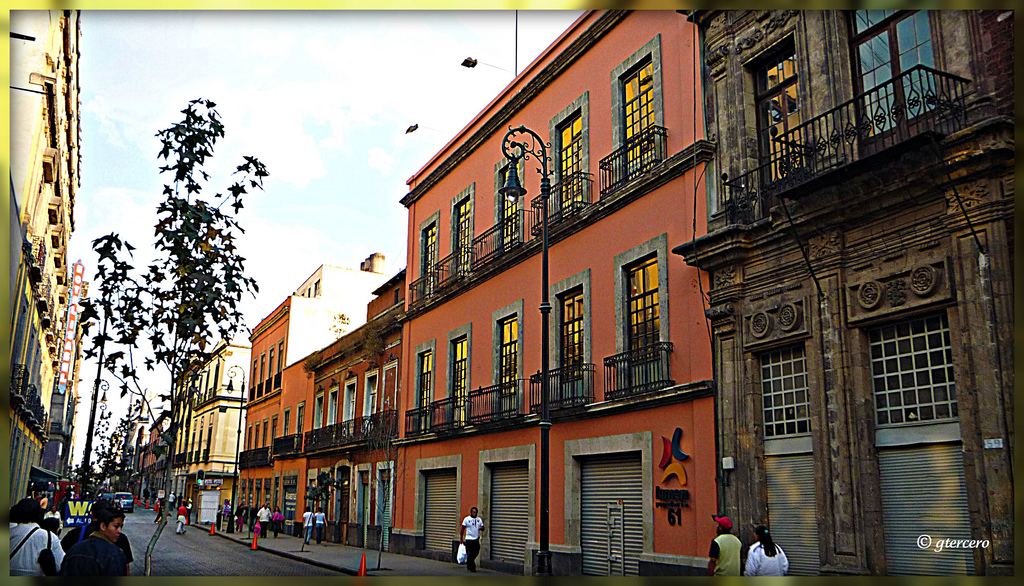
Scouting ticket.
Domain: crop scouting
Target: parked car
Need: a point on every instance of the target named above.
(126, 500)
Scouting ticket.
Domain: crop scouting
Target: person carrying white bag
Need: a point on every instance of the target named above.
(469, 537)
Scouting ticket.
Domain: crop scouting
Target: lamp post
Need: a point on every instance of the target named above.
(513, 190)
(232, 373)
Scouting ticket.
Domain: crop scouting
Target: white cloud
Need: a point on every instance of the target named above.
(380, 160)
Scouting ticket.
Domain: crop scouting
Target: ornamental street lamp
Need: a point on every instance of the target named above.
(233, 372)
(513, 190)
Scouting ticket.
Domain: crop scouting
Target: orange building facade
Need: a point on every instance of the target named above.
(632, 445)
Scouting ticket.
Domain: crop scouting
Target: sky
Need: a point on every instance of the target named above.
(323, 99)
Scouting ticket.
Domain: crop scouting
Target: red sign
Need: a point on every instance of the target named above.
(68, 346)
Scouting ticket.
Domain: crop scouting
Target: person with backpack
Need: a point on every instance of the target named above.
(75, 534)
(34, 551)
(766, 558)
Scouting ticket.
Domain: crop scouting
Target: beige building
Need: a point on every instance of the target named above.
(44, 178)
(204, 460)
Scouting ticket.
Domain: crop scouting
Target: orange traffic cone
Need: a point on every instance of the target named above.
(362, 566)
(212, 525)
(254, 536)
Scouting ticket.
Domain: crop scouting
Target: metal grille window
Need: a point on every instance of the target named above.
(287, 420)
(280, 356)
(426, 392)
(784, 398)
(912, 371)
(644, 324)
(300, 412)
(318, 411)
(509, 349)
(570, 152)
(572, 329)
(428, 249)
(638, 87)
(509, 216)
(266, 427)
(778, 105)
(460, 364)
(463, 244)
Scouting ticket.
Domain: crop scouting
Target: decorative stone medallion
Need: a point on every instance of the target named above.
(760, 324)
(869, 296)
(896, 291)
(789, 317)
(923, 281)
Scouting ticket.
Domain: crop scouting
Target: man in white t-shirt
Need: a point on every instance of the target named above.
(472, 525)
(307, 525)
(28, 540)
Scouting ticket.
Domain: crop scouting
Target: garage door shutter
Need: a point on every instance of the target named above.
(441, 510)
(923, 493)
(792, 514)
(611, 533)
(510, 511)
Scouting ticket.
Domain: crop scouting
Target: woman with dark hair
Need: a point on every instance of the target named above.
(766, 558)
(34, 551)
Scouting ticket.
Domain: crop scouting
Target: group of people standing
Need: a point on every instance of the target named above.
(764, 558)
(311, 521)
(261, 520)
(98, 549)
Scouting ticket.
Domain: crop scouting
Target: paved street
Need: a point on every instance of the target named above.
(198, 554)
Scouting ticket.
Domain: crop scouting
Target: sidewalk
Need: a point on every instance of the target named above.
(345, 559)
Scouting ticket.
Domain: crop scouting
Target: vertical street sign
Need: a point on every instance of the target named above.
(71, 328)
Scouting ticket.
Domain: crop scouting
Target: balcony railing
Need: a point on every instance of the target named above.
(637, 371)
(568, 387)
(921, 100)
(259, 389)
(496, 402)
(255, 458)
(19, 380)
(448, 414)
(288, 445)
(417, 421)
(569, 197)
(352, 432)
(633, 158)
(277, 381)
(423, 287)
(206, 454)
(498, 240)
(179, 459)
(454, 267)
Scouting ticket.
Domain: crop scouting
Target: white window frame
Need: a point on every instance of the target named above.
(370, 396)
(349, 408)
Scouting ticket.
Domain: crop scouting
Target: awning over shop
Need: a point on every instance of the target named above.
(42, 475)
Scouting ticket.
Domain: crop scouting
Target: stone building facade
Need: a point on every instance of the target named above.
(860, 247)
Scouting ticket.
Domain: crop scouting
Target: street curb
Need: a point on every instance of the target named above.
(289, 555)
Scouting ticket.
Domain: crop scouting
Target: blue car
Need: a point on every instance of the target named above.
(126, 500)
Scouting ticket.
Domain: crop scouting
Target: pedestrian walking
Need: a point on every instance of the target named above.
(240, 514)
(188, 512)
(277, 520)
(725, 550)
(34, 550)
(99, 555)
(766, 558)
(170, 500)
(53, 514)
(472, 526)
(307, 524)
(264, 518)
(252, 517)
(320, 519)
(182, 518)
(159, 509)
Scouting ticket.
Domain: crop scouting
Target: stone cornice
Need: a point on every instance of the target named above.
(513, 106)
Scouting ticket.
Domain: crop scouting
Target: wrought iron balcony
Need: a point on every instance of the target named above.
(417, 421)
(454, 267)
(259, 389)
(255, 458)
(424, 287)
(921, 101)
(498, 240)
(206, 454)
(569, 197)
(637, 155)
(179, 459)
(288, 445)
(496, 402)
(277, 381)
(448, 414)
(568, 387)
(352, 432)
(637, 371)
(19, 381)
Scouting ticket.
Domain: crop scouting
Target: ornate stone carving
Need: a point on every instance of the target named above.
(896, 291)
(778, 19)
(717, 54)
(716, 313)
(923, 281)
(749, 40)
(725, 277)
(869, 295)
(969, 197)
(760, 324)
(789, 317)
(825, 245)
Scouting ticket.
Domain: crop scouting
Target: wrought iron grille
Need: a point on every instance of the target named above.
(496, 402)
(255, 458)
(498, 240)
(452, 268)
(417, 421)
(637, 371)
(633, 158)
(277, 381)
(422, 288)
(288, 445)
(569, 386)
(569, 197)
(921, 100)
(448, 414)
